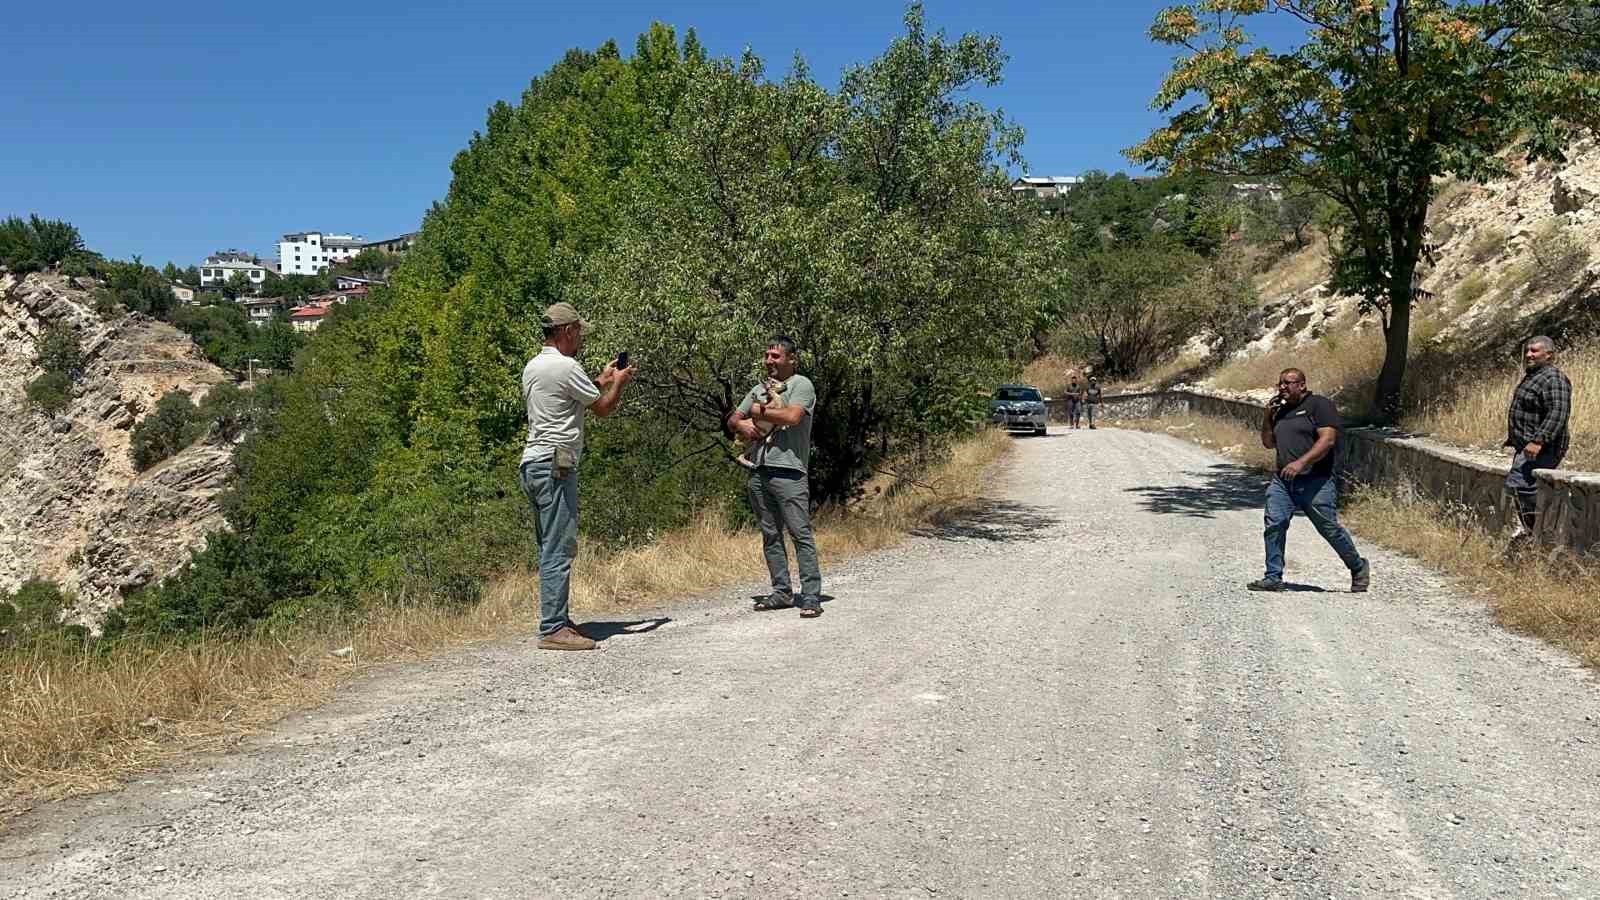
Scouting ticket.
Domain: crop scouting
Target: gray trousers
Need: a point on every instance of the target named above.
(555, 522)
(1524, 487)
(781, 499)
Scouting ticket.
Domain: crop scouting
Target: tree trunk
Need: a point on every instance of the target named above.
(1396, 342)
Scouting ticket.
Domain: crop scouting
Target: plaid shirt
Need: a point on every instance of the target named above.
(1539, 410)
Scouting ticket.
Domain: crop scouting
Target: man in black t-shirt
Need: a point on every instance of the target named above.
(1304, 428)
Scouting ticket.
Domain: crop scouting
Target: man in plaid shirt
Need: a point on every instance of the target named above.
(1536, 428)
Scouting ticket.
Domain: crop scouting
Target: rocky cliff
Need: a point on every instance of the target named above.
(72, 508)
(1507, 256)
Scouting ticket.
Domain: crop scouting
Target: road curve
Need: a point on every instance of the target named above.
(1069, 694)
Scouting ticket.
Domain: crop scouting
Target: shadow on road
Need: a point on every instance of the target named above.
(1223, 487)
(600, 631)
(1001, 521)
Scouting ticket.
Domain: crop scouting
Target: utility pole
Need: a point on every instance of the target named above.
(250, 371)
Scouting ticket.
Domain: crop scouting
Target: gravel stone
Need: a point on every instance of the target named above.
(997, 708)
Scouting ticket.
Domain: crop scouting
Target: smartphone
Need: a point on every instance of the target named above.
(622, 360)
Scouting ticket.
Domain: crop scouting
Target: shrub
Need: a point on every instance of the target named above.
(27, 246)
(1471, 288)
(51, 392)
(1487, 244)
(57, 349)
(170, 427)
(33, 612)
(1560, 254)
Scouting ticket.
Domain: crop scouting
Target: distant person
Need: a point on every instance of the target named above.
(1074, 401)
(1536, 430)
(780, 493)
(1091, 397)
(555, 392)
(1304, 428)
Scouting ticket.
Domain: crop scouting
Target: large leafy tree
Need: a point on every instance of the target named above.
(1379, 100)
(873, 225)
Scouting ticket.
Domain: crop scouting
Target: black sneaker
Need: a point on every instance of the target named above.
(774, 600)
(1266, 584)
(1361, 579)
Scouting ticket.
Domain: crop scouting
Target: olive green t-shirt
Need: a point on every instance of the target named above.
(790, 447)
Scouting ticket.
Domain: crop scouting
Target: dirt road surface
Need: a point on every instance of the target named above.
(1070, 694)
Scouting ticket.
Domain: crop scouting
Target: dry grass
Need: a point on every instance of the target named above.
(1340, 359)
(1051, 374)
(1554, 598)
(75, 721)
(1298, 271)
(1472, 412)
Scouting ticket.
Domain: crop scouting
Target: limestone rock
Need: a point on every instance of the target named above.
(72, 508)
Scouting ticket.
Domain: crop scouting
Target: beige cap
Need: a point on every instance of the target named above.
(563, 314)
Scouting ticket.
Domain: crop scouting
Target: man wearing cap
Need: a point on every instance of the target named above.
(555, 392)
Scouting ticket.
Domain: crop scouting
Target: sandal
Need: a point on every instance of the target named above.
(773, 601)
(810, 612)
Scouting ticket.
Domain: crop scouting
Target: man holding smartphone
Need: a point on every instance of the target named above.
(1304, 428)
(779, 484)
(555, 392)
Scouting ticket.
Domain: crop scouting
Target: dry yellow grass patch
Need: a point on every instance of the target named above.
(1342, 358)
(1472, 411)
(1298, 271)
(1051, 374)
(1555, 597)
(76, 721)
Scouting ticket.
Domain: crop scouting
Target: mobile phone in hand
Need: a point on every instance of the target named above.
(622, 360)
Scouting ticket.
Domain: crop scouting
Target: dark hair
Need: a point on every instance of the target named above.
(790, 348)
(1301, 374)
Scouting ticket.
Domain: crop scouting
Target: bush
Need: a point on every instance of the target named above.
(1560, 254)
(27, 246)
(33, 612)
(57, 349)
(1471, 288)
(51, 392)
(1487, 244)
(171, 426)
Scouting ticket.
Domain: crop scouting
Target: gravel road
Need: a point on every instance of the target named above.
(1070, 694)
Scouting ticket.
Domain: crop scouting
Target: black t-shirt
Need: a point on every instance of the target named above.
(1295, 430)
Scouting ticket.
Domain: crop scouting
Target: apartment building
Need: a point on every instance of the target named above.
(311, 252)
(397, 245)
(220, 266)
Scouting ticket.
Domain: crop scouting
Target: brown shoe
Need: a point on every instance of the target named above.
(566, 639)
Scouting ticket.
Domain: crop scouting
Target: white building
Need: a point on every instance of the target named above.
(217, 269)
(261, 310)
(311, 252)
(1045, 187)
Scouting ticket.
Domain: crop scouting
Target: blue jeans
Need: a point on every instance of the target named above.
(1318, 498)
(555, 522)
(1524, 486)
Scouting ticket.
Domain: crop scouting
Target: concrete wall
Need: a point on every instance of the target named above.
(1569, 501)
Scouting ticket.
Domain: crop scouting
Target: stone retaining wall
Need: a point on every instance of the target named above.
(1569, 501)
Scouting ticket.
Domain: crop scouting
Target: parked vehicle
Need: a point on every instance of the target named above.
(1019, 407)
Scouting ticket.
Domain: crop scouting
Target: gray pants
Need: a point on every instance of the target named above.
(1524, 487)
(781, 499)
(555, 522)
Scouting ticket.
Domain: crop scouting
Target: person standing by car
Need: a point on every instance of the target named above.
(1091, 397)
(1304, 428)
(555, 392)
(779, 485)
(1074, 401)
(1536, 430)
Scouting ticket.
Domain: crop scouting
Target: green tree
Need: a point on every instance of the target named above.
(171, 426)
(370, 261)
(58, 349)
(139, 288)
(172, 273)
(38, 243)
(237, 285)
(1380, 100)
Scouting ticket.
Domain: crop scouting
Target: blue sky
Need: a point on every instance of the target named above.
(172, 129)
